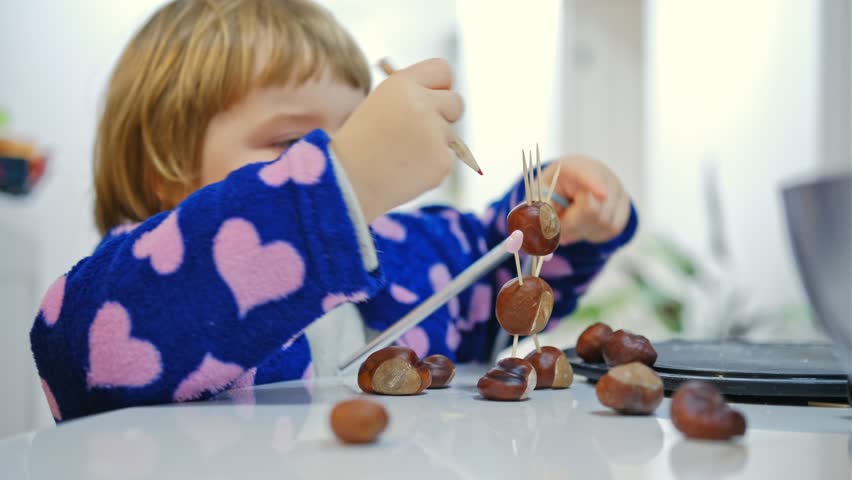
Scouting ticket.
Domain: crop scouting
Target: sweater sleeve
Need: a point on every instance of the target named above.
(421, 251)
(183, 304)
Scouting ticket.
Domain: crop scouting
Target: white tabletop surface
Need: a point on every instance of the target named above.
(281, 431)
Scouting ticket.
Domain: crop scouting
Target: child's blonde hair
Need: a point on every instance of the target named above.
(192, 60)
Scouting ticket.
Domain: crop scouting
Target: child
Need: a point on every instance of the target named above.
(220, 268)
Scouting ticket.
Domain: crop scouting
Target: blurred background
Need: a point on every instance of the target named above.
(704, 109)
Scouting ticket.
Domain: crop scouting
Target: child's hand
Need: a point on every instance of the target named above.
(600, 207)
(395, 145)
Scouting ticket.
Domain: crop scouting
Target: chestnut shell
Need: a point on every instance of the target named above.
(632, 388)
(358, 420)
(700, 411)
(590, 343)
(443, 370)
(625, 347)
(510, 380)
(394, 371)
(524, 309)
(540, 225)
(551, 367)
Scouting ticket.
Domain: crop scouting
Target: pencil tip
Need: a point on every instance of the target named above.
(479, 171)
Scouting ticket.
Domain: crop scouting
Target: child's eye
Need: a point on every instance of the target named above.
(285, 144)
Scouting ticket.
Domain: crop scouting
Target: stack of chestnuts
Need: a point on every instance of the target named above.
(631, 387)
(523, 307)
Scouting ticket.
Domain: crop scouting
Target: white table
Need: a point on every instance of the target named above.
(281, 431)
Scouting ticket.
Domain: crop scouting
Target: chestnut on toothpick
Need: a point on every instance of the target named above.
(524, 309)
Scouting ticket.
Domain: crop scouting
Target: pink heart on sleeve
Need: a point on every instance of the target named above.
(303, 163)
(51, 305)
(255, 273)
(115, 358)
(211, 376)
(163, 245)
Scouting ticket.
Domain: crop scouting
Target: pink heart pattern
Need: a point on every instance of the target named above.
(389, 228)
(439, 276)
(452, 216)
(333, 300)
(163, 244)
(211, 376)
(51, 305)
(402, 294)
(255, 273)
(453, 337)
(303, 163)
(115, 358)
(556, 267)
(417, 340)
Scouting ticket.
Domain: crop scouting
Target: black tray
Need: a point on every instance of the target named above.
(772, 371)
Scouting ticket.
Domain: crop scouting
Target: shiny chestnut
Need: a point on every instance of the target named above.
(540, 225)
(442, 368)
(632, 388)
(551, 367)
(358, 420)
(699, 411)
(591, 342)
(394, 371)
(511, 380)
(625, 347)
(524, 309)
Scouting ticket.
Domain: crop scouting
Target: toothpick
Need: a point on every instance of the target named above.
(526, 179)
(515, 347)
(520, 272)
(538, 266)
(553, 180)
(537, 345)
(538, 167)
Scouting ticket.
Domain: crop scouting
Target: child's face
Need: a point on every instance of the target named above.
(268, 120)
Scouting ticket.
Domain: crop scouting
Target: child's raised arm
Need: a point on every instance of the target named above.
(183, 304)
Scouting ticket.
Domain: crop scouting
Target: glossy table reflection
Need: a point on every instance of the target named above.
(281, 431)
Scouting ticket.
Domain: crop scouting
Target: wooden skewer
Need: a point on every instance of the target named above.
(526, 178)
(537, 344)
(515, 347)
(538, 266)
(456, 144)
(538, 167)
(520, 272)
(553, 181)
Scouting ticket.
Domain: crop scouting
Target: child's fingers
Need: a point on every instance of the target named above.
(578, 217)
(448, 103)
(574, 182)
(434, 74)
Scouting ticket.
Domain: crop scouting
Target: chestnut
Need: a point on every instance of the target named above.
(625, 347)
(591, 342)
(511, 380)
(442, 368)
(524, 309)
(394, 371)
(551, 368)
(632, 388)
(358, 420)
(700, 411)
(540, 225)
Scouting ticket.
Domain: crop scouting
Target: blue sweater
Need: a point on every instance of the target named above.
(217, 293)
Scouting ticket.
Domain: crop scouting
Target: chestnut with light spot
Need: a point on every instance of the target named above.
(394, 371)
(632, 389)
(358, 421)
(511, 380)
(540, 225)
(524, 309)
(443, 370)
(551, 367)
